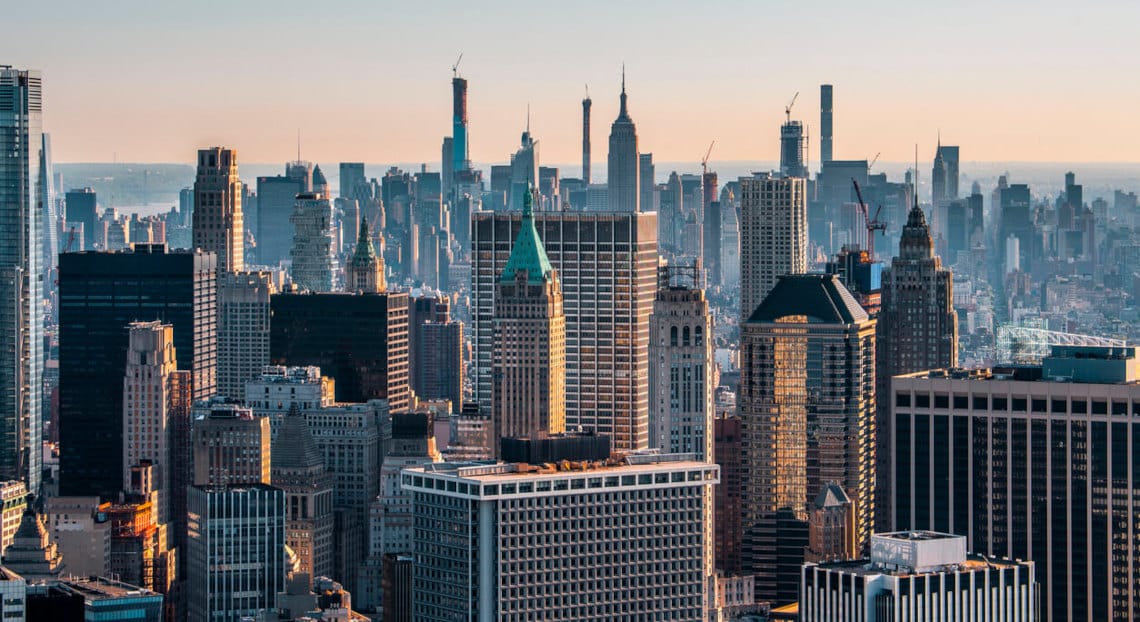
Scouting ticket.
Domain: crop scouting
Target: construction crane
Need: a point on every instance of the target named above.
(873, 160)
(705, 160)
(788, 108)
(67, 247)
(872, 224)
(455, 67)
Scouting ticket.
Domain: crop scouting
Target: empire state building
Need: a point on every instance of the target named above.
(623, 182)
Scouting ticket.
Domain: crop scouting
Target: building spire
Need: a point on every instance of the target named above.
(624, 113)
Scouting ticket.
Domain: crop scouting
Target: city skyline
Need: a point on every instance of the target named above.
(898, 86)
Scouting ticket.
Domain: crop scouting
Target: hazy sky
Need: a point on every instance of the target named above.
(152, 81)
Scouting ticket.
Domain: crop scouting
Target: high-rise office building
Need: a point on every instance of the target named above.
(1030, 462)
(807, 410)
(623, 166)
(276, 200)
(529, 350)
(944, 174)
(217, 208)
(917, 329)
(728, 452)
(358, 340)
(681, 364)
(81, 209)
(353, 183)
(156, 403)
(279, 388)
(586, 104)
(100, 295)
(313, 253)
(826, 120)
(366, 268)
(729, 244)
(593, 567)
(524, 170)
(243, 329)
(773, 235)
(607, 266)
(646, 176)
(919, 576)
(236, 553)
(712, 228)
(230, 446)
(298, 469)
(436, 346)
(21, 275)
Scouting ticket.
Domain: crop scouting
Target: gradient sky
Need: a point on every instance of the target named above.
(370, 81)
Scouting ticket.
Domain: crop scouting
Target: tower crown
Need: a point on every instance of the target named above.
(528, 253)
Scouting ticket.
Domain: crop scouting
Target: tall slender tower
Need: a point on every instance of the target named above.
(21, 275)
(461, 156)
(217, 208)
(529, 368)
(826, 102)
(918, 327)
(586, 103)
(366, 270)
(624, 185)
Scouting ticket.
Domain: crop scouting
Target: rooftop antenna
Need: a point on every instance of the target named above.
(298, 144)
(587, 91)
(623, 78)
(455, 67)
(528, 117)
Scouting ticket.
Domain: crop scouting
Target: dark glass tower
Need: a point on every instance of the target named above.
(100, 295)
(460, 154)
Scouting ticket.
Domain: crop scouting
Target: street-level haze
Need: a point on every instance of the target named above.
(143, 81)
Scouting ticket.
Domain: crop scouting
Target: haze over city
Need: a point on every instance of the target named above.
(137, 81)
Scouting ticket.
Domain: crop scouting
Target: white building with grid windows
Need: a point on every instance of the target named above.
(773, 235)
(623, 539)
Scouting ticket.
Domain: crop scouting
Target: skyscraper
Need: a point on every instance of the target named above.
(276, 199)
(773, 235)
(807, 410)
(436, 346)
(826, 103)
(101, 294)
(314, 261)
(21, 275)
(944, 175)
(217, 208)
(243, 329)
(917, 330)
(586, 103)
(156, 401)
(607, 267)
(1032, 462)
(594, 567)
(648, 202)
(792, 162)
(624, 173)
(81, 213)
(681, 364)
(461, 159)
(298, 469)
(529, 352)
(524, 169)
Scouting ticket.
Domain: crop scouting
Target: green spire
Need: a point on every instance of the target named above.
(364, 250)
(528, 253)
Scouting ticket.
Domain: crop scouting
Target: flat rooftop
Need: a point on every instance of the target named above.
(99, 588)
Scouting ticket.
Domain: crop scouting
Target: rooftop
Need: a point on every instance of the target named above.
(99, 588)
(490, 471)
(822, 298)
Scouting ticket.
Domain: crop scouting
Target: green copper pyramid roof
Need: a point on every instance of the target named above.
(365, 252)
(528, 253)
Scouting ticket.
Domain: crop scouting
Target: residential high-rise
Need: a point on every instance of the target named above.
(807, 410)
(728, 451)
(792, 163)
(593, 566)
(100, 295)
(236, 556)
(1032, 462)
(826, 119)
(529, 348)
(81, 208)
(298, 469)
(243, 329)
(314, 260)
(366, 269)
(773, 235)
(917, 329)
(586, 103)
(217, 208)
(623, 167)
(21, 275)
(461, 158)
(681, 364)
(230, 446)
(607, 267)
(712, 228)
(156, 401)
(358, 340)
(920, 575)
(276, 200)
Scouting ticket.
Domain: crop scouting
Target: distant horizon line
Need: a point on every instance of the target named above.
(578, 164)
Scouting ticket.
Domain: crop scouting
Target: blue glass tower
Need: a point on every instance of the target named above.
(460, 155)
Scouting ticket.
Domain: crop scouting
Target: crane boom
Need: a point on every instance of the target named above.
(705, 160)
(788, 108)
(455, 67)
(872, 224)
